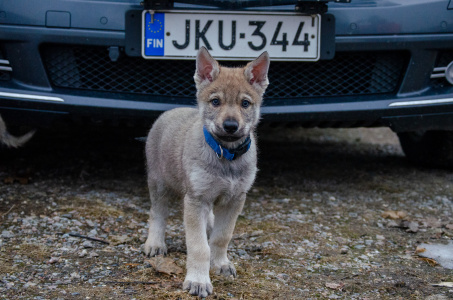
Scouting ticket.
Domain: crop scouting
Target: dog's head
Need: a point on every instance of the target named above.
(229, 99)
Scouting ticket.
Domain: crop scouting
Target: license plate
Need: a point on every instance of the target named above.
(230, 35)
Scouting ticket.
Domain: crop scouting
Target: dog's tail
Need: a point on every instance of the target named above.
(10, 140)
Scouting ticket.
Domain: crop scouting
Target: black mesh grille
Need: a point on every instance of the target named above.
(346, 74)
(90, 68)
(444, 58)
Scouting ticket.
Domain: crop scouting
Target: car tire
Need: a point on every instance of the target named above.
(429, 148)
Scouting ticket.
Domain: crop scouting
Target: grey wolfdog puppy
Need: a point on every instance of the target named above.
(207, 158)
(12, 141)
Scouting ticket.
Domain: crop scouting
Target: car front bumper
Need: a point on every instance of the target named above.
(411, 100)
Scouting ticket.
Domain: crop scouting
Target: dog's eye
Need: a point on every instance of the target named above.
(245, 103)
(215, 102)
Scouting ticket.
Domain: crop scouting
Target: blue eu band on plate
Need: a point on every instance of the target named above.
(154, 34)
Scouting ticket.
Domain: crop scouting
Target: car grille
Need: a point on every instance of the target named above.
(90, 68)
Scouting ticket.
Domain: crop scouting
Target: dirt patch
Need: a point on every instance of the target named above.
(73, 216)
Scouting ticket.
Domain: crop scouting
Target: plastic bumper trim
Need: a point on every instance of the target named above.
(31, 97)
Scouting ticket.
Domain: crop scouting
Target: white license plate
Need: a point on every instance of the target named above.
(230, 35)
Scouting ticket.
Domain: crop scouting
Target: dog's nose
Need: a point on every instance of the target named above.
(230, 126)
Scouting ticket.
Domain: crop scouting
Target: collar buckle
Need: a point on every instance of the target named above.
(219, 156)
(228, 154)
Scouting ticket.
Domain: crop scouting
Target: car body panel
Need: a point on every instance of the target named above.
(356, 18)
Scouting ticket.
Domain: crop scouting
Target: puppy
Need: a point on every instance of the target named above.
(12, 141)
(206, 156)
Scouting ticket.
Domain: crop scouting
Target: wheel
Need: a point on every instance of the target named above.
(429, 148)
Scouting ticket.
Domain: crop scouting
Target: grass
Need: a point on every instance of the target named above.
(33, 251)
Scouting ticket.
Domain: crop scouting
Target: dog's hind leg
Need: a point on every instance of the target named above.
(225, 221)
(155, 243)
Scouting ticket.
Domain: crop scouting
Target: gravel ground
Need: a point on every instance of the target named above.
(334, 214)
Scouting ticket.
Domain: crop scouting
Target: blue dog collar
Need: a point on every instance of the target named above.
(229, 154)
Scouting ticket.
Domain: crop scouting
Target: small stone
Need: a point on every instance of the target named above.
(93, 254)
(283, 277)
(7, 234)
(83, 253)
(29, 284)
(77, 223)
(412, 227)
(89, 222)
(393, 223)
(364, 257)
(57, 224)
(380, 237)
(87, 244)
(256, 233)
(344, 250)
(433, 223)
(53, 260)
(132, 225)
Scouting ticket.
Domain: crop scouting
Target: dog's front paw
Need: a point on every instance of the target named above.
(201, 290)
(153, 250)
(226, 270)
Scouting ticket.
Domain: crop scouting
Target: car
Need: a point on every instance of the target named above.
(359, 63)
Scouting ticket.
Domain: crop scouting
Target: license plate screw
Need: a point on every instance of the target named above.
(151, 12)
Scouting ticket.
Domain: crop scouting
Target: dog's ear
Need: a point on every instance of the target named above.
(207, 68)
(256, 72)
